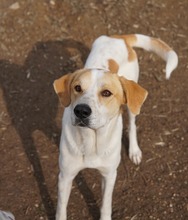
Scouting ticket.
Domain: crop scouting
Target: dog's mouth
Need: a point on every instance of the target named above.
(82, 123)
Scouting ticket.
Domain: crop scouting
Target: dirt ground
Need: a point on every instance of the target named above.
(41, 40)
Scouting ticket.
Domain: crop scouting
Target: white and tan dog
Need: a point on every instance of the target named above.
(92, 120)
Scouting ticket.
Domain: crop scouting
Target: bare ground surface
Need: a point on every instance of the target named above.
(40, 41)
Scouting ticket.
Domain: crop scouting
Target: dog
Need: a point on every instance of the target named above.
(92, 122)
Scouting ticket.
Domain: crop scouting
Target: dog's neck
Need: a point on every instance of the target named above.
(87, 142)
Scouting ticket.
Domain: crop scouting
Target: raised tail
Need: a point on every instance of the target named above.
(154, 45)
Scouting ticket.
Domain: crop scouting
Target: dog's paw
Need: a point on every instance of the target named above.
(135, 156)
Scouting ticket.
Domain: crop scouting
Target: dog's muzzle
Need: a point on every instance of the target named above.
(82, 112)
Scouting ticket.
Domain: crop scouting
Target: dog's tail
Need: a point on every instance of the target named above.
(155, 45)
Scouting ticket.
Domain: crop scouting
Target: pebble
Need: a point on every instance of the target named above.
(15, 6)
(52, 2)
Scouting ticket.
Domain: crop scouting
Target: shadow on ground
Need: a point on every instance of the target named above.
(32, 104)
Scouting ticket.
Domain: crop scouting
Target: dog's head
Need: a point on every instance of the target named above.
(96, 96)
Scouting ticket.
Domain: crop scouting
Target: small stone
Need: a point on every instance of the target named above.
(15, 6)
(135, 25)
(52, 2)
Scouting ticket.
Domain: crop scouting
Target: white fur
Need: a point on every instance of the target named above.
(105, 48)
(172, 62)
(99, 146)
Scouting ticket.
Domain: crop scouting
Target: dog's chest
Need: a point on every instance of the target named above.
(82, 146)
(92, 161)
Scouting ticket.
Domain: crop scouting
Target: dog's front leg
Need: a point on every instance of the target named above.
(108, 182)
(64, 189)
(135, 154)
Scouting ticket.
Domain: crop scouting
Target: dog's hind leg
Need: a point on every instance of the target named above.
(135, 154)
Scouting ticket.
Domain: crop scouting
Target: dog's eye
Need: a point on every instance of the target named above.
(78, 88)
(106, 93)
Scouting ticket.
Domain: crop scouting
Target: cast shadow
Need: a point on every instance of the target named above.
(32, 103)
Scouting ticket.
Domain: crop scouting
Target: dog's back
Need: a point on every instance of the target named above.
(119, 48)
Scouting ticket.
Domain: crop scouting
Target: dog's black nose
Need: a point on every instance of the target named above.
(82, 111)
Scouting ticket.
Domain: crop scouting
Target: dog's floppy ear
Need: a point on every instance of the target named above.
(62, 88)
(135, 95)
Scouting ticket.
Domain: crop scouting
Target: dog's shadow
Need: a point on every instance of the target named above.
(32, 104)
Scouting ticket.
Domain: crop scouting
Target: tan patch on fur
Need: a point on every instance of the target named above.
(64, 85)
(160, 44)
(130, 39)
(61, 87)
(79, 77)
(129, 42)
(132, 54)
(135, 95)
(113, 66)
(113, 103)
(82, 78)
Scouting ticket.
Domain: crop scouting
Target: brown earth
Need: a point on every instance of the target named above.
(40, 41)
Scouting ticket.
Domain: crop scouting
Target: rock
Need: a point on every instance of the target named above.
(15, 6)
